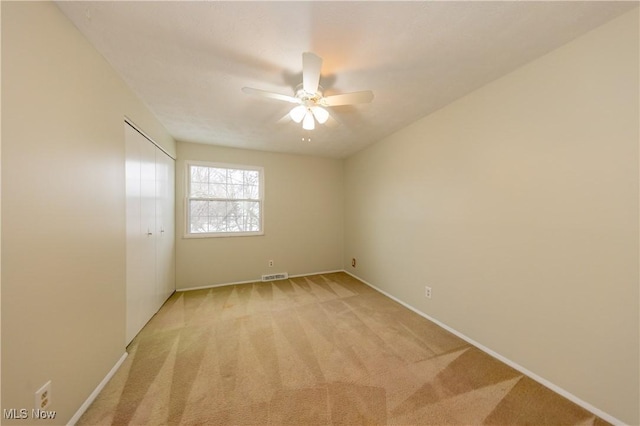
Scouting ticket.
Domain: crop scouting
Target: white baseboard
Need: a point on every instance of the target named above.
(557, 389)
(96, 391)
(316, 273)
(204, 287)
(254, 281)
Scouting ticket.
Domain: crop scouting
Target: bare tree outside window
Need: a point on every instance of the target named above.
(224, 200)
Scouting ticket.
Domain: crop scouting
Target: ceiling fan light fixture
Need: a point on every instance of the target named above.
(298, 113)
(310, 103)
(308, 123)
(321, 114)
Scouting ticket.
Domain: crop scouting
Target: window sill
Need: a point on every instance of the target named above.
(223, 234)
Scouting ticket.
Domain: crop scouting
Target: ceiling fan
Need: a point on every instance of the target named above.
(311, 104)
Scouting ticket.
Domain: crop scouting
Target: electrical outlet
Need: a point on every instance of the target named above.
(427, 292)
(43, 396)
(353, 262)
(271, 264)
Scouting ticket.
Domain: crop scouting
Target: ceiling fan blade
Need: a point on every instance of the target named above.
(332, 121)
(311, 65)
(272, 95)
(348, 98)
(285, 119)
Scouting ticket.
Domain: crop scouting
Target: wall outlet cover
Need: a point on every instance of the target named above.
(43, 396)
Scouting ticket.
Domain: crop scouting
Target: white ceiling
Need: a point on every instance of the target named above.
(189, 60)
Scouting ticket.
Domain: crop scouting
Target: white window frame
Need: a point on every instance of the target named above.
(187, 198)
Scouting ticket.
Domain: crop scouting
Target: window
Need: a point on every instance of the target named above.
(224, 200)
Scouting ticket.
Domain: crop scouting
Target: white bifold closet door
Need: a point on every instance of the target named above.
(150, 192)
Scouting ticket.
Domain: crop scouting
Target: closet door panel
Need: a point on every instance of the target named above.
(165, 225)
(135, 273)
(148, 215)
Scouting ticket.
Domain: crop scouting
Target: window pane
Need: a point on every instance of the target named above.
(235, 192)
(199, 190)
(218, 216)
(199, 208)
(217, 224)
(252, 216)
(235, 176)
(198, 211)
(251, 192)
(251, 177)
(217, 175)
(217, 208)
(234, 216)
(199, 225)
(218, 190)
(199, 174)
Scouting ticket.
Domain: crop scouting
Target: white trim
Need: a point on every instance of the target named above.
(222, 234)
(253, 281)
(316, 273)
(555, 388)
(96, 391)
(204, 287)
(139, 130)
(221, 165)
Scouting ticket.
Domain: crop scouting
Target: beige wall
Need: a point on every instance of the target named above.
(303, 215)
(63, 208)
(518, 205)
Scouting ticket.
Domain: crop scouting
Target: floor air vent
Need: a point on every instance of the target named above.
(274, 277)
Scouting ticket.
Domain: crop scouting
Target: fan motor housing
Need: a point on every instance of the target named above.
(307, 98)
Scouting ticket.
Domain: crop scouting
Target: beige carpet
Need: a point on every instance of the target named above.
(323, 349)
